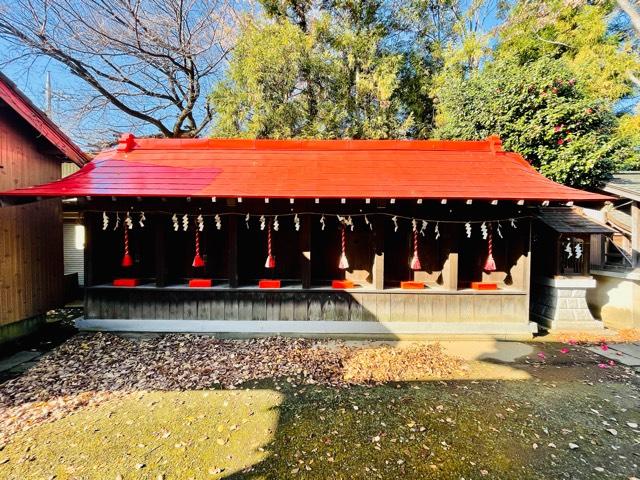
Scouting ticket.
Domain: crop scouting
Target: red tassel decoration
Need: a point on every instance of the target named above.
(127, 261)
(271, 260)
(197, 259)
(490, 264)
(415, 260)
(343, 264)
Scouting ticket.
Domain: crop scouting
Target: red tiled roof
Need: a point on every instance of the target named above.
(309, 169)
(20, 104)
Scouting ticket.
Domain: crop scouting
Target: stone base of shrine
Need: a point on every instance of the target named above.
(320, 328)
(560, 304)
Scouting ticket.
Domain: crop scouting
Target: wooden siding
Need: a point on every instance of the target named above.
(30, 235)
(23, 157)
(306, 305)
(30, 260)
(68, 168)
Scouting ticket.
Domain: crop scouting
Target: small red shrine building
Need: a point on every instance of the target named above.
(315, 237)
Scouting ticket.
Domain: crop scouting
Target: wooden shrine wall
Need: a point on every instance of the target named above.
(189, 304)
(378, 257)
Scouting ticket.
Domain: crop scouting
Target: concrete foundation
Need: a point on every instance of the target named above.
(560, 304)
(617, 299)
(15, 330)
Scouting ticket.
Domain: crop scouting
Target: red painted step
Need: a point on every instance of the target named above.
(342, 284)
(269, 284)
(484, 286)
(126, 282)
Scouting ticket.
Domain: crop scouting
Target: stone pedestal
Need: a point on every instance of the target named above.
(560, 304)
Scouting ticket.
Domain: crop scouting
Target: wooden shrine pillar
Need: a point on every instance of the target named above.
(450, 267)
(450, 272)
(635, 234)
(305, 250)
(526, 271)
(89, 226)
(232, 230)
(586, 254)
(161, 250)
(378, 259)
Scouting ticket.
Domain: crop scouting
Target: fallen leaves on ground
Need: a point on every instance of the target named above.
(89, 369)
(587, 338)
(22, 416)
(385, 364)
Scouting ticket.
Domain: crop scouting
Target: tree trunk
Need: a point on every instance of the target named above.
(633, 10)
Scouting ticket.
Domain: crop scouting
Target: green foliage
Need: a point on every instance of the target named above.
(577, 32)
(629, 127)
(541, 111)
(628, 132)
(548, 87)
(326, 77)
(546, 80)
(259, 96)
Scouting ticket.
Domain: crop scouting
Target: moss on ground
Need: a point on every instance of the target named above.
(181, 435)
(439, 430)
(490, 429)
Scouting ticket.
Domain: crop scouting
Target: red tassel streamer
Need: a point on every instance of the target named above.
(490, 264)
(127, 261)
(271, 260)
(415, 260)
(198, 262)
(343, 264)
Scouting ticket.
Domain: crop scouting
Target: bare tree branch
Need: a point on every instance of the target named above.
(146, 58)
(554, 42)
(632, 9)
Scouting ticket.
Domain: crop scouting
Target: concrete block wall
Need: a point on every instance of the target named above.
(561, 304)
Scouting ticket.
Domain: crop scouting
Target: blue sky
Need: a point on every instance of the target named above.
(30, 77)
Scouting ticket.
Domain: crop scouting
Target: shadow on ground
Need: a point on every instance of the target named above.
(565, 418)
(454, 430)
(57, 329)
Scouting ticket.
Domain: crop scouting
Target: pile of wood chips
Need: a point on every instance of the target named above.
(90, 369)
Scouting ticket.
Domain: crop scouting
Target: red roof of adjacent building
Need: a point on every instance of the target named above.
(310, 169)
(20, 104)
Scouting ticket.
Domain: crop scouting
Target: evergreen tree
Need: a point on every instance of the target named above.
(261, 96)
(580, 33)
(549, 80)
(541, 111)
(549, 88)
(327, 75)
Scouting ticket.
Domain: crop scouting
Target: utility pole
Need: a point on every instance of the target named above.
(48, 94)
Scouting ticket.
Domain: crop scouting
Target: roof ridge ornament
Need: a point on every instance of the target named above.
(495, 144)
(126, 142)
